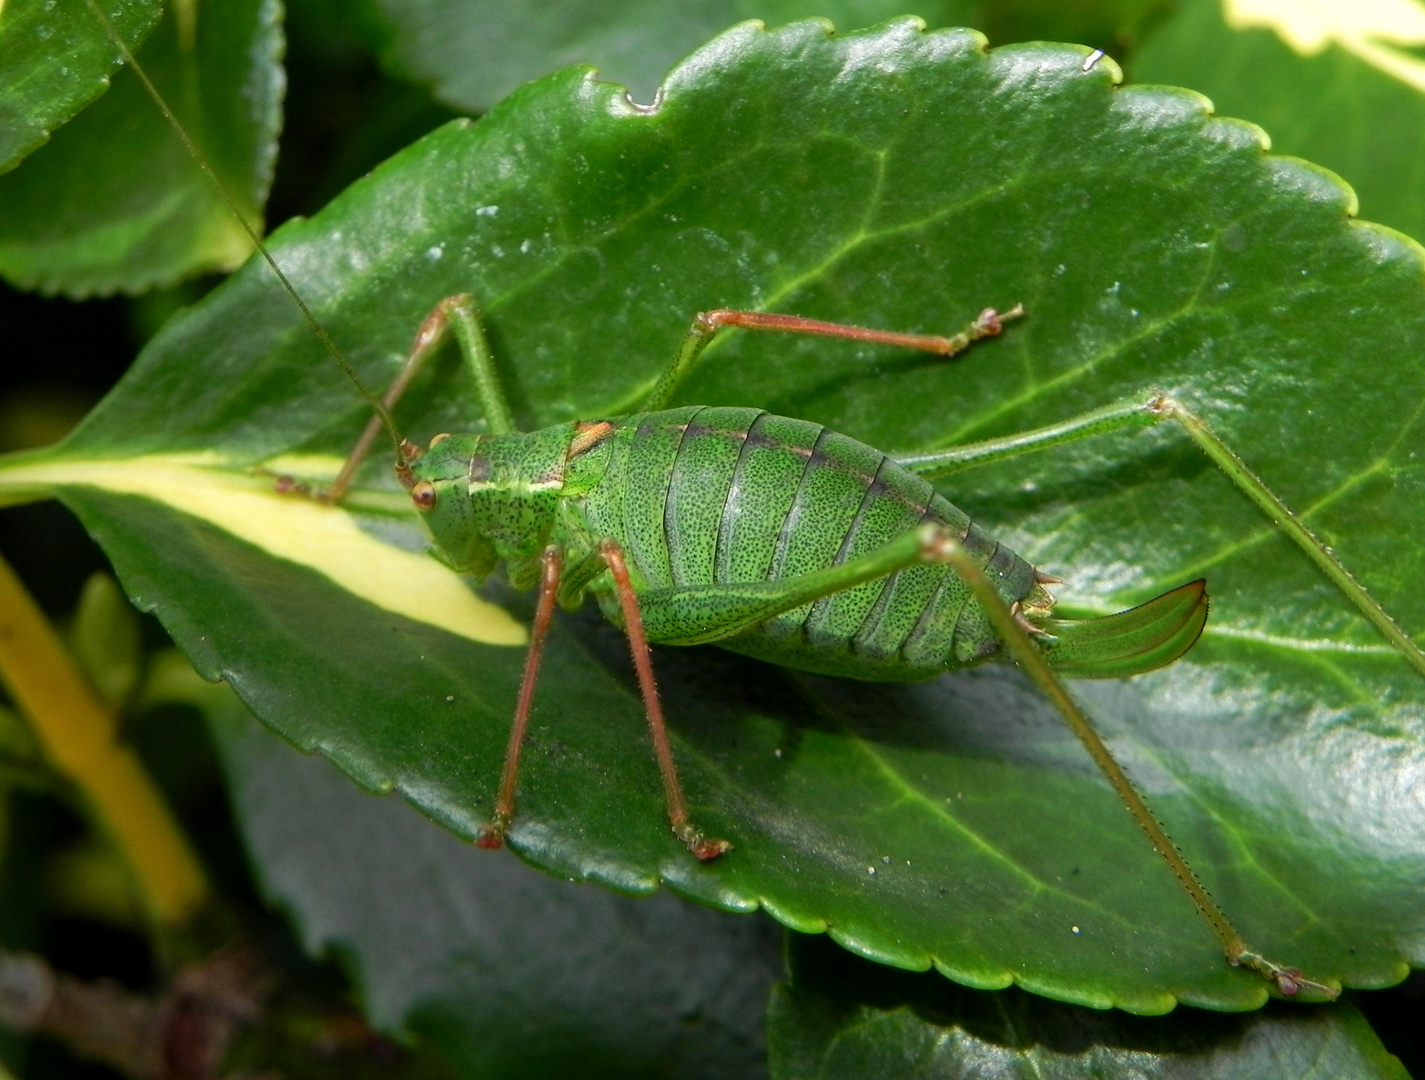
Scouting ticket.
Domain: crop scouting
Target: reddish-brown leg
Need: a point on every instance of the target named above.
(683, 828)
(706, 324)
(434, 330)
(429, 337)
(987, 324)
(493, 834)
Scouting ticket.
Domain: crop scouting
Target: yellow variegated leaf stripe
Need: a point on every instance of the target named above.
(322, 538)
(1365, 28)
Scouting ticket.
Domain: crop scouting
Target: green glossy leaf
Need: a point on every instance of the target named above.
(1340, 83)
(114, 202)
(896, 179)
(507, 971)
(474, 53)
(838, 1016)
(53, 63)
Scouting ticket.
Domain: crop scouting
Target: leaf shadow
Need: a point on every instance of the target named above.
(717, 700)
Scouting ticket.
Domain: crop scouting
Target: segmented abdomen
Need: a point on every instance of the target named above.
(707, 495)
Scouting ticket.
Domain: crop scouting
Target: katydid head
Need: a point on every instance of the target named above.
(483, 498)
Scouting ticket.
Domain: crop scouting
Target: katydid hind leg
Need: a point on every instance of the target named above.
(1287, 981)
(707, 324)
(1167, 407)
(933, 464)
(716, 615)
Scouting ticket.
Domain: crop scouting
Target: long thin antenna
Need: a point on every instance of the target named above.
(371, 399)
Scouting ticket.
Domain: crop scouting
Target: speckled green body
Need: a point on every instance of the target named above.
(707, 495)
(701, 496)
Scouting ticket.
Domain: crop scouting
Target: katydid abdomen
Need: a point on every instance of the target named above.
(717, 496)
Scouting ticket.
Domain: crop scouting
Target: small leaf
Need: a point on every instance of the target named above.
(895, 179)
(839, 1017)
(105, 640)
(508, 972)
(115, 202)
(54, 60)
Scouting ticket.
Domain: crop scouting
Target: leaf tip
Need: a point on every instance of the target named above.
(1155, 107)
(1314, 183)
(982, 979)
(1386, 245)
(903, 958)
(1043, 63)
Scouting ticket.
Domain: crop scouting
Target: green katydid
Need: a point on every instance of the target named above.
(907, 552)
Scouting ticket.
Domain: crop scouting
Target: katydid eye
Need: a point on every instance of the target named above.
(423, 495)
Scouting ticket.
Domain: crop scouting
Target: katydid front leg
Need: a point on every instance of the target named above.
(611, 556)
(683, 827)
(551, 565)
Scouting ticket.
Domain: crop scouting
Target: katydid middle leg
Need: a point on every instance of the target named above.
(1154, 409)
(706, 325)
